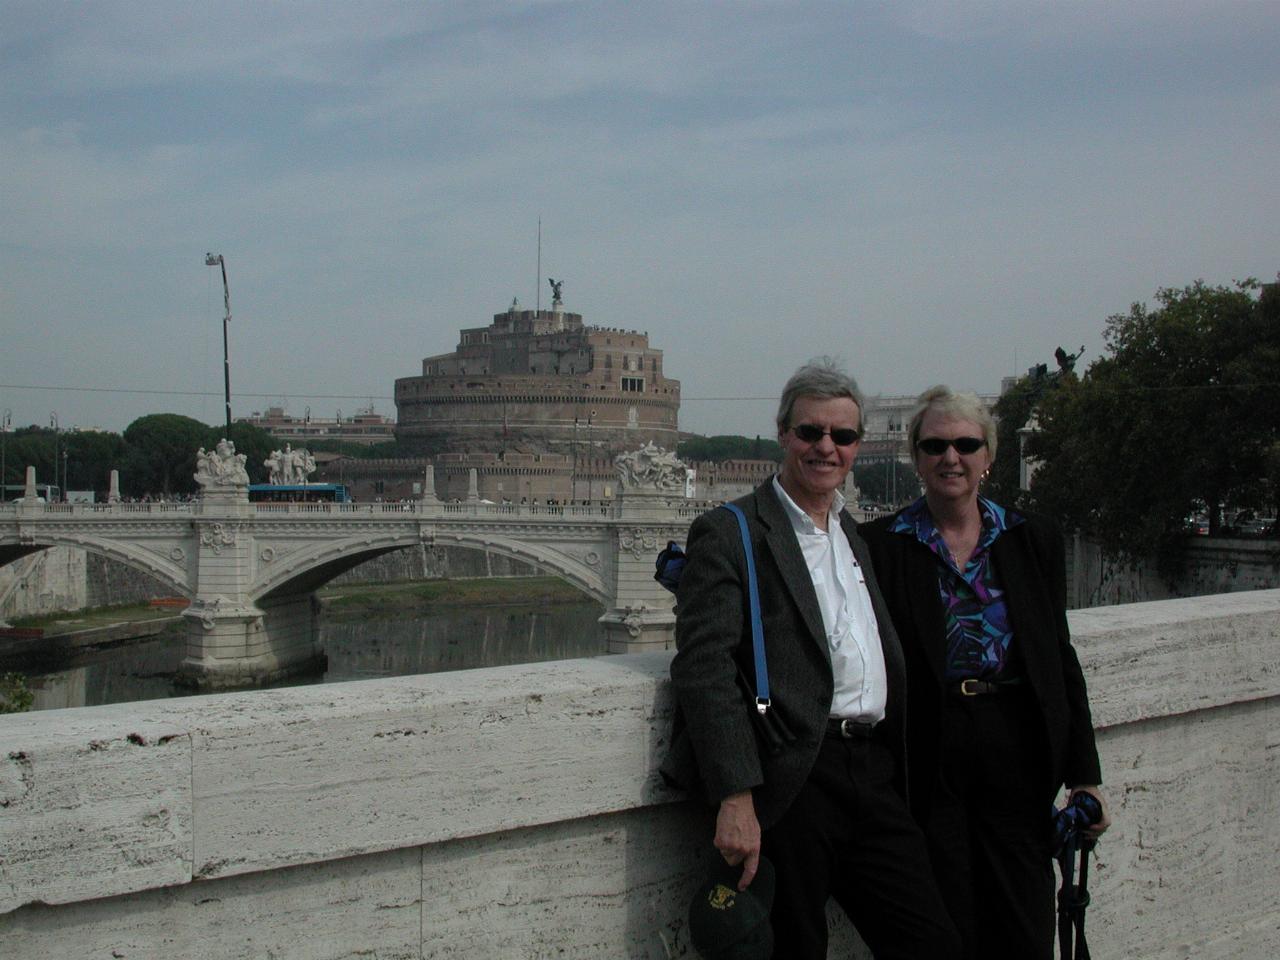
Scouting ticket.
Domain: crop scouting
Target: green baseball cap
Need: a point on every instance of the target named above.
(726, 923)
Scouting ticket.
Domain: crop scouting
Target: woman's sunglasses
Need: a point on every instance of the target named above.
(812, 433)
(937, 446)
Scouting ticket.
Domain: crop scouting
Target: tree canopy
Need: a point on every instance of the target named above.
(886, 484)
(721, 448)
(161, 453)
(1180, 416)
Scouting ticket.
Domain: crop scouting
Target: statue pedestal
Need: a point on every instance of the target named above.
(232, 641)
(643, 617)
(638, 629)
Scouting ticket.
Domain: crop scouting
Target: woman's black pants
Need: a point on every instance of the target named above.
(988, 828)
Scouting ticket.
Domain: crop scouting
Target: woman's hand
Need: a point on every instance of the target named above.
(1098, 829)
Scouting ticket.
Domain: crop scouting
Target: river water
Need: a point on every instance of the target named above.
(358, 647)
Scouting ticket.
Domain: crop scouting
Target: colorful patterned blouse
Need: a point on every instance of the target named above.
(976, 616)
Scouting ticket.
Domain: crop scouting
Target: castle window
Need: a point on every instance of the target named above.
(633, 384)
(608, 361)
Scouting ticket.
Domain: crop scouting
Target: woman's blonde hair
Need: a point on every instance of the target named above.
(962, 406)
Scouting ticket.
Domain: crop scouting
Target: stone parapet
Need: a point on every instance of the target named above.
(517, 812)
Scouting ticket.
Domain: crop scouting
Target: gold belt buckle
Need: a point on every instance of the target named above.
(966, 690)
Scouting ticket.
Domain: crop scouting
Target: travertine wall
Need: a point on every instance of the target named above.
(68, 578)
(1210, 565)
(515, 812)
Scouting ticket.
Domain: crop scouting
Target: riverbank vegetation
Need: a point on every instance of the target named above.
(70, 621)
(424, 595)
(15, 697)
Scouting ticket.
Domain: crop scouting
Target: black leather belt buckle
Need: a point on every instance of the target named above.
(851, 729)
(972, 687)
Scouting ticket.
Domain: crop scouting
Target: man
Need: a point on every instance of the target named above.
(820, 794)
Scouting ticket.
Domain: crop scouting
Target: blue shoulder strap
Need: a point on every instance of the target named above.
(753, 598)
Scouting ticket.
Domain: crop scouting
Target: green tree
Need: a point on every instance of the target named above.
(1272, 487)
(160, 454)
(1178, 416)
(15, 697)
(727, 447)
(1012, 411)
(91, 456)
(29, 447)
(892, 484)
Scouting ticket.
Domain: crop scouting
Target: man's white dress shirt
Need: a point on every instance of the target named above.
(853, 636)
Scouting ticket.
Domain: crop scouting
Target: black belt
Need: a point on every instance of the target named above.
(978, 688)
(850, 729)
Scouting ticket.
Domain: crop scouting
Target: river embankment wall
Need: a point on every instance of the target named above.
(1209, 565)
(516, 812)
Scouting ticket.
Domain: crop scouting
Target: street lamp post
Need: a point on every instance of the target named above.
(590, 476)
(4, 438)
(216, 260)
(53, 425)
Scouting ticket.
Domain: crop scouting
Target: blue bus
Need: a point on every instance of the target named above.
(299, 493)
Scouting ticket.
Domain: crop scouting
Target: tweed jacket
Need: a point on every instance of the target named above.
(1029, 559)
(715, 743)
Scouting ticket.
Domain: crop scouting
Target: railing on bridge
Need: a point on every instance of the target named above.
(608, 509)
(106, 509)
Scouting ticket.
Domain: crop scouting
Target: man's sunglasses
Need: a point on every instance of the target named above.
(937, 446)
(840, 436)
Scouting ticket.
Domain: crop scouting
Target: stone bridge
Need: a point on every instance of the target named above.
(251, 569)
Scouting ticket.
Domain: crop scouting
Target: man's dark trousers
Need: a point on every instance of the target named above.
(848, 835)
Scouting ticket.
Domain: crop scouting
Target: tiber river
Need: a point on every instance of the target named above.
(359, 646)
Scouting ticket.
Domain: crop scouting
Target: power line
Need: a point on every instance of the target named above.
(193, 393)
(274, 394)
(271, 394)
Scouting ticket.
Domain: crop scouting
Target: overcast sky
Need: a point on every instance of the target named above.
(934, 191)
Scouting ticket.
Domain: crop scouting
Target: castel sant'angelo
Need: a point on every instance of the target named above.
(539, 382)
(533, 408)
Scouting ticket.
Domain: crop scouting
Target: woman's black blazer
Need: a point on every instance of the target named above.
(1029, 560)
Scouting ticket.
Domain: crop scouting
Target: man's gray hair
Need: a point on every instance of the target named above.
(821, 377)
(960, 406)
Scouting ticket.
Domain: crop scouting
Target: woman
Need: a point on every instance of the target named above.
(998, 717)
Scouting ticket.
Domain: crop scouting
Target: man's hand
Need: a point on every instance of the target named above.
(1099, 828)
(738, 835)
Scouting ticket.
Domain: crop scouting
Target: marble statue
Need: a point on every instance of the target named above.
(650, 468)
(221, 467)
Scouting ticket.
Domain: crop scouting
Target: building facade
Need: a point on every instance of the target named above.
(366, 427)
(540, 381)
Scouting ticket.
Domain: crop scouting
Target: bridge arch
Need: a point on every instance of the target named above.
(166, 570)
(313, 566)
